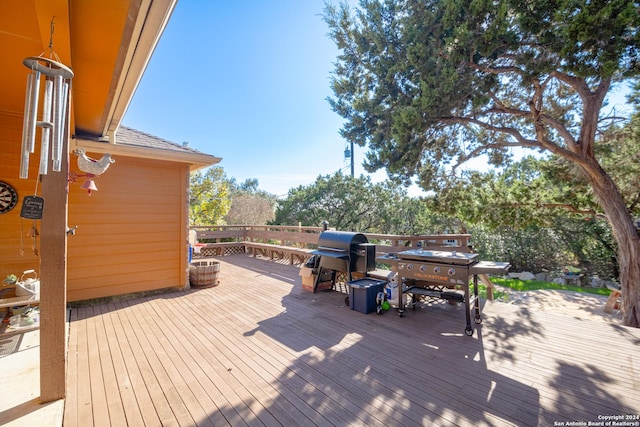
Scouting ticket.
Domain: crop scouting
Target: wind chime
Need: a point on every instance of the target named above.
(55, 107)
(56, 79)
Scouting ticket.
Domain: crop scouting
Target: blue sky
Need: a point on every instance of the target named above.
(248, 82)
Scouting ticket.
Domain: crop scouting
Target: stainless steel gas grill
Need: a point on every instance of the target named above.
(441, 274)
(343, 251)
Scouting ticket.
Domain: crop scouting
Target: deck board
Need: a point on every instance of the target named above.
(84, 404)
(120, 382)
(71, 409)
(109, 359)
(148, 380)
(139, 407)
(258, 350)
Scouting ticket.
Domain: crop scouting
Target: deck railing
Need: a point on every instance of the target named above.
(214, 237)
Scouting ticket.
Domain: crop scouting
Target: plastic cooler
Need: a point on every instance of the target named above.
(363, 292)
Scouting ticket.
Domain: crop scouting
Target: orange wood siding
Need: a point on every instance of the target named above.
(13, 229)
(132, 232)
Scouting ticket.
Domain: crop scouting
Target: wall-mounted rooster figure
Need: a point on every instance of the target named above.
(92, 167)
(89, 165)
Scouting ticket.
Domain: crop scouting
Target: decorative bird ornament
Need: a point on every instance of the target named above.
(92, 166)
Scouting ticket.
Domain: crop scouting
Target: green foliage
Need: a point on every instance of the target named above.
(534, 285)
(356, 204)
(497, 295)
(548, 198)
(620, 157)
(428, 83)
(208, 197)
(532, 249)
(249, 204)
(591, 244)
(218, 200)
(346, 203)
(587, 245)
(250, 186)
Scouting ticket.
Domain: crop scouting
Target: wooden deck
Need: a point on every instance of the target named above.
(257, 350)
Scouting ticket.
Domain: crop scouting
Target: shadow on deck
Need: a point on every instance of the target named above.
(258, 350)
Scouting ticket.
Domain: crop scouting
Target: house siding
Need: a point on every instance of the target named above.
(16, 253)
(132, 233)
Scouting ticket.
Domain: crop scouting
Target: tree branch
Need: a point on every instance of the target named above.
(502, 109)
(479, 150)
(562, 130)
(521, 140)
(578, 84)
(565, 206)
(634, 203)
(494, 70)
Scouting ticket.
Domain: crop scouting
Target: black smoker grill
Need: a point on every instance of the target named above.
(343, 251)
(436, 274)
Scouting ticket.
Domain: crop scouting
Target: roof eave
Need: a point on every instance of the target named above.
(195, 161)
(148, 28)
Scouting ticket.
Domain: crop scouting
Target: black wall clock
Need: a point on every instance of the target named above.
(8, 197)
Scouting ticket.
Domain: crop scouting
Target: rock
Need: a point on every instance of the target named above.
(523, 275)
(526, 275)
(597, 282)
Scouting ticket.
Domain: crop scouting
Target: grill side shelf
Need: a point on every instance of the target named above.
(489, 267)
(331, 254)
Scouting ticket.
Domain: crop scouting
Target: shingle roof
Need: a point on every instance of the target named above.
(133, 137)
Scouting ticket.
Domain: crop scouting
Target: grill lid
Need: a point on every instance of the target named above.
(340, 240)
(441, 257)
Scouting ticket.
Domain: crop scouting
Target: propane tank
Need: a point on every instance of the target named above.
(392, 290)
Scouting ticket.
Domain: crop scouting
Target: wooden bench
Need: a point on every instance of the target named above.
(292, 254)
(274, 252)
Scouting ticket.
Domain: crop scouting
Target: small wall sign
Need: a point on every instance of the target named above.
(32, 207)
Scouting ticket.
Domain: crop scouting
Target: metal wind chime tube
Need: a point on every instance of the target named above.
(55, 106)
(46, 128)
(64, 126)
(24, 150)
(29, 124)
(59, 111)
(33, 110)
